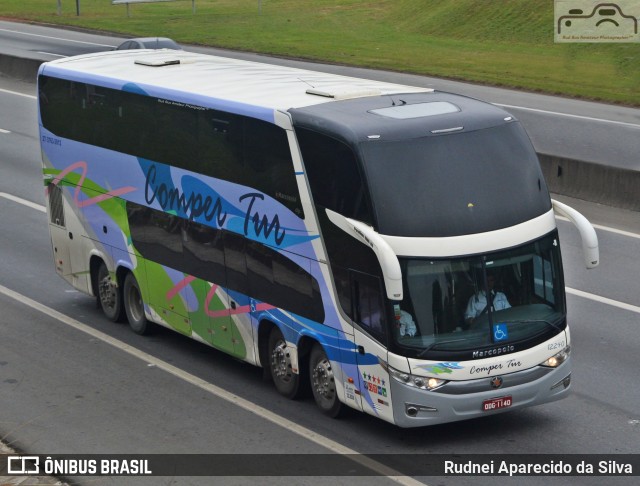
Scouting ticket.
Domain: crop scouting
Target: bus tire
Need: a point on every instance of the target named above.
(323, 383)
(134, 306)
(109, 295)
(286, 381)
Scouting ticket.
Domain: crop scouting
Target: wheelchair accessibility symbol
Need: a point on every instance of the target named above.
(500, 332)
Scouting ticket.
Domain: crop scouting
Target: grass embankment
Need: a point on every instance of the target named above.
(499, 42)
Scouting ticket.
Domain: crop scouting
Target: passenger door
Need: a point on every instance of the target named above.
(68, 238)
(370, 337)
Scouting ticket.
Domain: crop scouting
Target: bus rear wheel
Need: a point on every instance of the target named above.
(134, 306)
(285, 380)
(109, 295)
(323, 383)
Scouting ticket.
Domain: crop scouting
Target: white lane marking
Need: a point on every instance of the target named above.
(568, 115)
(2, 130)
(604, 300)
(215, 390)
(55, 38)
(24, 202)
(609, 229)
(51, 54)
(617, 231)
(17, 94)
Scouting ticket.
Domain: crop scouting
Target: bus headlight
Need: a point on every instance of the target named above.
(557, 359)
(422, 382)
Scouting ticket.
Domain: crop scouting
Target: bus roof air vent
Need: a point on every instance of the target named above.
(344, 92)
(157, 62)
(447, 130)
(406, 111)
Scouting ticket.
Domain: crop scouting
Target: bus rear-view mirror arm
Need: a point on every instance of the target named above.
(389, 263)
(587, 233)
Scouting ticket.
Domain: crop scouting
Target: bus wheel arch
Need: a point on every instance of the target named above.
(108, 292)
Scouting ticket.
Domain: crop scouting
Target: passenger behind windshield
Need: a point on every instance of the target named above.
(454, 304)
(483, 301)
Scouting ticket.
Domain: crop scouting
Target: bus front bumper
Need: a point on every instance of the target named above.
(414, 407)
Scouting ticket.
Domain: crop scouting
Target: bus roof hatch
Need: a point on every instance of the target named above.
(344, 92)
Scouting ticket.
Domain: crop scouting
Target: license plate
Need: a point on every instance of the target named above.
(496, 403)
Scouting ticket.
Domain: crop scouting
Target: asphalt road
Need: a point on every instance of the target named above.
(63, 390)
(593, 132)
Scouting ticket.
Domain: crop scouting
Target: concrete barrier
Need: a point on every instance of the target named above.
(593, 182)
(19, 67)
(574, 178)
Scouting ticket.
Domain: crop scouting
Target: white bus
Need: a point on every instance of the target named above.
(392, 248)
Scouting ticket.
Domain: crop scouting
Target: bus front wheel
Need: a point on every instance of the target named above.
(134, 306)
(109, 295)
(323, 383)
(286, 381)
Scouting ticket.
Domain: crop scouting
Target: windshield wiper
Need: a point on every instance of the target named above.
(554, 323)
(438, 343)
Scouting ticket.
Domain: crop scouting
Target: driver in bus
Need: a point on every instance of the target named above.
(405, 324)
(478, 304)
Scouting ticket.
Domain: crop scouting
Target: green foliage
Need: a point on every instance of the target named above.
(501, 42)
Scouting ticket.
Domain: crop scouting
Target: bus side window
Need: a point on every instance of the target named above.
(156, 235)
(333, 173)
(220, 146)
(542, 277)
(368, 305)
(268, 164)
(235, 262)
(343, 288)
(204, 252)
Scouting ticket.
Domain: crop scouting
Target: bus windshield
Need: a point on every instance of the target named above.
(471, 303)
(454, 182)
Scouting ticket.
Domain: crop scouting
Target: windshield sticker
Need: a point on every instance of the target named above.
(500, 332)
(440, 368)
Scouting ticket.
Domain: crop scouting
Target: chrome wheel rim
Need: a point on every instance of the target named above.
(281, 362)
(323, 381)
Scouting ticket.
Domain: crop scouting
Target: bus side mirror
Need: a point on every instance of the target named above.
(587, 233)
(389, 263)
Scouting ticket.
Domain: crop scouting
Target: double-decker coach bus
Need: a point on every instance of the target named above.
(392, 247)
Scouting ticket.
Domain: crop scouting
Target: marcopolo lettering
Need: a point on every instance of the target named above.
(493, 352)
